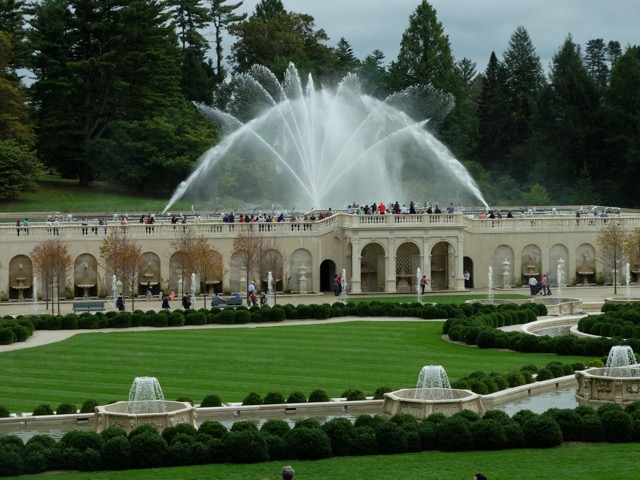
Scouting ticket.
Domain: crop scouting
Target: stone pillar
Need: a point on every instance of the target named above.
(506, 276)
(390, 266)
(356, 259)
(303, 280)
(426, 262)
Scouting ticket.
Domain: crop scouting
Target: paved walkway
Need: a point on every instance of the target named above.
(589, 295)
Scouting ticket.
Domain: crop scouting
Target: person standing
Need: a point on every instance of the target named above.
(149, 291)
(336, 285)
(546, 285)
(467, 279)
(250, 290)
(423, 284)
(533, 284)
(120, 303)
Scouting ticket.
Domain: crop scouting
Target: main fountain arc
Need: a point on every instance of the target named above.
(318, 147)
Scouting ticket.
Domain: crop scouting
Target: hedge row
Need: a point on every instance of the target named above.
(183, 445)
(17, 330)
(616, 321)
(481, 330)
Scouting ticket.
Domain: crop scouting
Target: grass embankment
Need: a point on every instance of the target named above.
(56, 195)
(233, 362)
(584, 462)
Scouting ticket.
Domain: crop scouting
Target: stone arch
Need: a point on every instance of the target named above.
(179, 282)
(21, 278)
(442, 265)
(273, 258)
(301, 269)
(149, 273)
(373, 270)
(467, 266)
(558, 255)
(586, 271)
(503, 273)
(327, 272)
(85, 276)
(407, 264)
(530, 263)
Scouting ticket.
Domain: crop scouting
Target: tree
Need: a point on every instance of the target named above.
(524, 80)
(198, 256)
(12, 24)
(274, 38)
(122, 257)
(536, 196)
(374, 76)
(595, 61)
(223, 17)
(584, 192)
(612, 250)
(346, 61)
(271, 259)
(52, 263)
(246, 254)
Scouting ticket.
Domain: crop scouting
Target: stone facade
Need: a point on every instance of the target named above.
(380, 253)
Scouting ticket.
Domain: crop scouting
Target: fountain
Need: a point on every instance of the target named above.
(490, 284)
(343, 287)
(114, 290)
(146, 405)
(433, 394)
(559, 275)
(315, 144)
(418, 286)
(270, 290)
(618, 381)
(35, 295)
(627, 277)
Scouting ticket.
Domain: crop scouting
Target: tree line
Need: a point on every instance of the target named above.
(112, 85)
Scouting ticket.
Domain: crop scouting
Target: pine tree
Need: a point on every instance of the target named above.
(223, 17)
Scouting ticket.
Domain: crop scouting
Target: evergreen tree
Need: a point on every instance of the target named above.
(12, 22)
(223, 16)
(524, 81)
(268, 9)
(374, 76)
(346, 61)
(584, 191)
(595, 61)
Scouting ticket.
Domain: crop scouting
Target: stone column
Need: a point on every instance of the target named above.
(390, 266)
(356, 259)
(426, 262)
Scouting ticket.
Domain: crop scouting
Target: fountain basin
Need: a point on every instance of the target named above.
(167, 414)
(597, 386)
(555, 305)
(405, 401)
(622, 300)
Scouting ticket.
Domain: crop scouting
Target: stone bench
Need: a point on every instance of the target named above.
(88, 306)
(232, 303)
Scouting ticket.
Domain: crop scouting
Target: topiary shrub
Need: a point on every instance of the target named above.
(89, 406)
(542, 432)
(369, 421)
(307, 443)
(570, 423)
(11, 461)
(116, 453)
(380, 391)
(148, 449)
(243, 425)
(245, 446)
(544, 374)
(391, 439)
(276, 446)
(297, 397)
(342, 434)
(252, 399)
(318, 396)
(66, 409)
(42, 409)
(7, 337)
(213, 429)
(172, 432)
(618, 426)
(489, 435)
(211, 401)
(4, 412)
(353, 394)
(308, 423)
(591, 429)
(273, 398)
(278, 428)
(454, 435)
(515, 379)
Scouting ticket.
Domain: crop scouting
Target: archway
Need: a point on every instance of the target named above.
(373, 270)
(440, 266)
(327, 272)
(85, 276)
(467, 266)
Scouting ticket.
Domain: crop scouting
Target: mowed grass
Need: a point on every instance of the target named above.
(584, 462)
(66, 197)
(232, 362)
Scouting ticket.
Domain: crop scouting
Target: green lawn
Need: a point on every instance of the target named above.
(233, 362)
(438, 298)
(65, 196)
(584, 462)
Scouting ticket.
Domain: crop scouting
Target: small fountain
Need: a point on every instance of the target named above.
(618, 381)
(418, 286)
(146, 406)
(627, 277)
(270, 290)
(433, 394)
(490, 284)
(559, 275)
(343, 287)
(114, 290)
(35, 295)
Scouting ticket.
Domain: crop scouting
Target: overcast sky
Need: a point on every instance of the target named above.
(475, 28)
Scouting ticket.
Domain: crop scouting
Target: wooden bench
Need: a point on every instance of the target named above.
(230, 303)
(88, 306)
